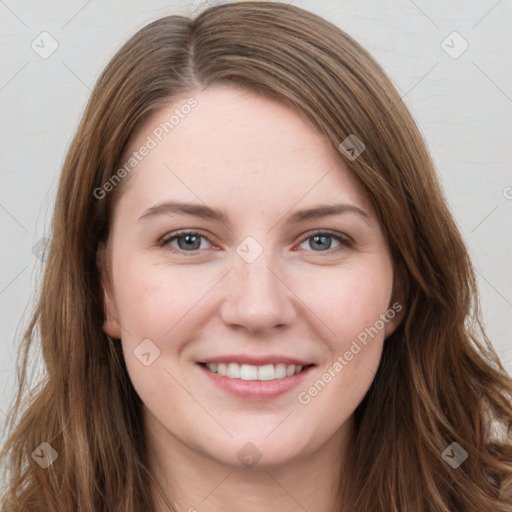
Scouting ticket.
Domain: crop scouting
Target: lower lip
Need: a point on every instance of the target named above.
(257, 389)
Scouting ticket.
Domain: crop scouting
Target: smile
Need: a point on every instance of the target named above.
(252, 372)
(256, 378)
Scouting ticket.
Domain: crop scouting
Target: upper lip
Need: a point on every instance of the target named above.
(256, 360)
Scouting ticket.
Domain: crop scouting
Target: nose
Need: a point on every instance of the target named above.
(256, 297)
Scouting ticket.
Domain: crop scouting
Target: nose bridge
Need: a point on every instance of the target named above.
(255, 297)
(256, 279)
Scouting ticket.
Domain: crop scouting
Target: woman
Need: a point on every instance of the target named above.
(255, 295)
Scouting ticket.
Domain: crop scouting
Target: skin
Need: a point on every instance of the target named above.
(258, 162)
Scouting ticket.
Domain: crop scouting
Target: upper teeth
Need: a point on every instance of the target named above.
(251, 372)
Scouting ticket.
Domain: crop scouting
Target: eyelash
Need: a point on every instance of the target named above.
(344, 241)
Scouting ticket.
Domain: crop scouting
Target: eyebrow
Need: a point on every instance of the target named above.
(206, 212)
(326, 211)
(196, 210)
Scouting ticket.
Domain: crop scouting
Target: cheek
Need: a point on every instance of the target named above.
(155, 300)
(350, 299)
(352, 309)
(158, 303)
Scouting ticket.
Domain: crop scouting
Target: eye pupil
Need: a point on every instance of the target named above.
(190, 242)
(321, 241)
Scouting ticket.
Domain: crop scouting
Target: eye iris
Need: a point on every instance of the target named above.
(191, 242)
(321, 242)
(187, 242)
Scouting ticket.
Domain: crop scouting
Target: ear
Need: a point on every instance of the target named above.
(111, 325)
(396, 309)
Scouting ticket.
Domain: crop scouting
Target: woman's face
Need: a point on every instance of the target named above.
(249, 281)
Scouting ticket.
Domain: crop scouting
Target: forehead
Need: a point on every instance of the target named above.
(236, 145)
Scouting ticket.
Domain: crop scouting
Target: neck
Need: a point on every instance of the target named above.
(194, 482)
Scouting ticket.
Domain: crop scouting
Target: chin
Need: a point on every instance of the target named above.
(260, 453)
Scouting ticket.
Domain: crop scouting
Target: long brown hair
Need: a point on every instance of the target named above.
(439, 381)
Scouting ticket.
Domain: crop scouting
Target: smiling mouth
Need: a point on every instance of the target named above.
(252, 372)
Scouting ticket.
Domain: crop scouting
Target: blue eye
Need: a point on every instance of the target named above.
(192, 242)
(322, 242)
(187, 241)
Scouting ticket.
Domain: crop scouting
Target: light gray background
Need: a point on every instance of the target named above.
(463, 106)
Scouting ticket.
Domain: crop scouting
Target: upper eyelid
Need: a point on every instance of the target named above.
(309, 234)
(176, 234)
(334, 234)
